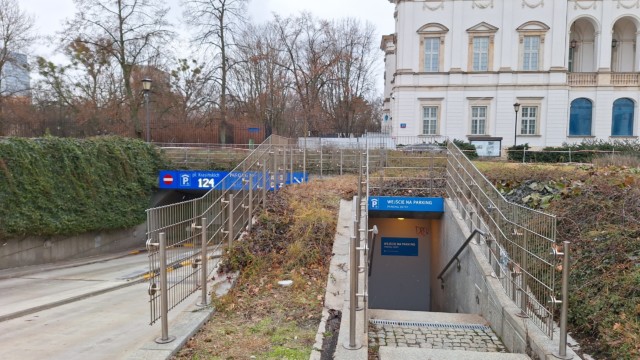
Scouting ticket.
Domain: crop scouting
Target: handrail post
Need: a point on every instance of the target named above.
(164, 292)
(203, 267)
(352, 343)
(250, 216)
(565, 300)
(230, 219)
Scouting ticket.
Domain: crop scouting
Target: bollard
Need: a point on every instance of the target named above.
(164, 296)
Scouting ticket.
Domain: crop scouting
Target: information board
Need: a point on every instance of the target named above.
(413, 204)
(221, 180)
(487, 148)
(393, 246)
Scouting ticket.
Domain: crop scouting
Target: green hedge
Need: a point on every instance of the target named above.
(468, 148)
(62, 186)
(584, 152)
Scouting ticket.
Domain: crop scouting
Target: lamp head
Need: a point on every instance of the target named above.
(146, 84)
(516, 107)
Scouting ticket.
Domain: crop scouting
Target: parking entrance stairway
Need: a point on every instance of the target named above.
(431, 335)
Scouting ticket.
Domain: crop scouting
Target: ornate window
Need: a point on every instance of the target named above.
(529, 120)
(481, 40)
(531, 49)
(478, 120)
(429, 120)
(431, 47)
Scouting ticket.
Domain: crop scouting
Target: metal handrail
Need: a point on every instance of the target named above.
(455, 257)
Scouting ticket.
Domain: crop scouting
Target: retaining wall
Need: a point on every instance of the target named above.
(474, 289)
(38, 250)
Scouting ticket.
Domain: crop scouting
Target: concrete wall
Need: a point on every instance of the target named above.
(36, 250)
(402, 282)
(474, 289)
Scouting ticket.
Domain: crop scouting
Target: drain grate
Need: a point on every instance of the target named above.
(431, 325)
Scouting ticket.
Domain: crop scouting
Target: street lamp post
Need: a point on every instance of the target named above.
(146, 88)
(516, 107)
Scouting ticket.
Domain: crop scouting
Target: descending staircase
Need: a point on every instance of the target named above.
(430, 335)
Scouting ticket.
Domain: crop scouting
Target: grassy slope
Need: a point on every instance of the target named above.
(598, 211)
(293, 239)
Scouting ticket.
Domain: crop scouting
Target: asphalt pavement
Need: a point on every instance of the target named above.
(89, 309)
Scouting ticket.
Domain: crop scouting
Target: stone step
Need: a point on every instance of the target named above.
(406, 353)
(431, 335)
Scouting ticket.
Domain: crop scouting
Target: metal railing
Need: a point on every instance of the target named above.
(457, 254)
(193, 229)
(519, 240)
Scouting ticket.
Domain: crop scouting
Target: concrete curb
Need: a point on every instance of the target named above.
(185, 326)
(39, 308)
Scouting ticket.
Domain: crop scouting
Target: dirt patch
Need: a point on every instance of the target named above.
(292, 240)
(598, 211)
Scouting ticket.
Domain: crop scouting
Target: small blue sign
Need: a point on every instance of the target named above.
(414, 204)
(222, 180)
(403, 126)
(253, 130)
(392, 246)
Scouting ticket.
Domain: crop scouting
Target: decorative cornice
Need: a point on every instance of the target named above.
(628, 4)
(531, 5)
(439, 5)
(482, 4)
(585, 4)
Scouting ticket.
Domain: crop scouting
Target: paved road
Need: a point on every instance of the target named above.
(110, 325)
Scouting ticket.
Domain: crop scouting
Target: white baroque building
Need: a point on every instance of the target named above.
(455, 68)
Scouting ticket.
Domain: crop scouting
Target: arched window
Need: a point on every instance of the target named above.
(580, 118)
(622, 124)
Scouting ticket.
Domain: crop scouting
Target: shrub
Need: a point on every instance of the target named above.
(62, 186)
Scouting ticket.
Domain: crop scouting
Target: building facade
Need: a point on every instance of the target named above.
(15, 79)
(456, 68)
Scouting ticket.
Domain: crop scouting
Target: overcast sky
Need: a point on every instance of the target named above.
(49, 14)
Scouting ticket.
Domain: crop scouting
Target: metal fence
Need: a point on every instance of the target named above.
(520, 242)
(182, 236)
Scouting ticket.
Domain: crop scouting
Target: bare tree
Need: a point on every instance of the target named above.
(131, 32)
(16, 36)
(346, 98)
(309, 58)
(193, 84)
(217, 24)
(263, 85)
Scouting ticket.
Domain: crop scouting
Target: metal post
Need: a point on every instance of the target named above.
(204, 259)
(264, 183)
(565, 301)
(274, 176)
(284, 165)
(352, 344)
(250, 223)
(321, 164)
(230, 218)
(291, 152)
(164, 296)
(146, 103)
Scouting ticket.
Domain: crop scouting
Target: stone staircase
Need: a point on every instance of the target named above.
(430, 335)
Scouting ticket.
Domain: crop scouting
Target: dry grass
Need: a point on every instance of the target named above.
(292, 240)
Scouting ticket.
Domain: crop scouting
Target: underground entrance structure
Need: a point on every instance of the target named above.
(447, 253)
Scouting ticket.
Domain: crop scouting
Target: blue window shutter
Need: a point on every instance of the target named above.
(622, 124)
(580, 117)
